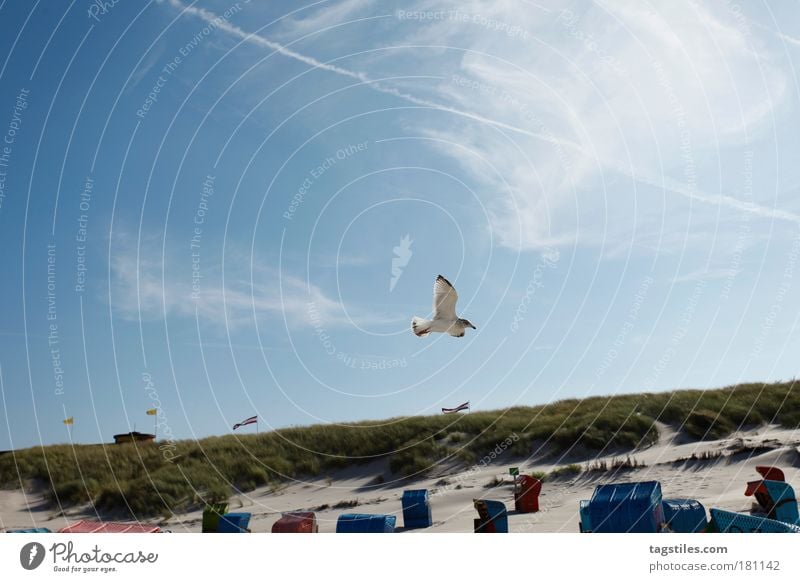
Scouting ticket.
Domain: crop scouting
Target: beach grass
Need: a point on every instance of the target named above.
(145, 480)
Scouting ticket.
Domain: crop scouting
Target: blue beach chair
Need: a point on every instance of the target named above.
(684, 515)
(732, 522)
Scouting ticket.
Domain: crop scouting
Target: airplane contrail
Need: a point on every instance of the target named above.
(256, 39)
(638, 176)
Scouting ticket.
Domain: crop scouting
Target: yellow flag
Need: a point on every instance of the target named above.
(152, 411)
(69, 420)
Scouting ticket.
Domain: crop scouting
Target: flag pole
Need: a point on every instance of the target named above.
(69, 424)
(155, 425)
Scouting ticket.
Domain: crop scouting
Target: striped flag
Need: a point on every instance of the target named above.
(69, 420)
(152, 412)
(245, 422)
(458, 408)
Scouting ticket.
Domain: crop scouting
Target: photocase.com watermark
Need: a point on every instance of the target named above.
(82, 234)
(743, 238)
(31, 555)
(66, 559)
(489, 458)
(549, 259)
(570, 21)
(53, 342)
(742, 23)
(680, 332)
(168, 70)
(10, 137)
(206, 193)
(553, 502)
(630, 320)
(317, 172)
(780, 295)
(492, 24)
(100, 8)
(348, 360)
(689, 170)
(525, 110)
(167, 446)
(402, 255)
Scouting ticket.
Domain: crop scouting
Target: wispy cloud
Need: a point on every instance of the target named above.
(225, 26)
(789, 39)
(617, 86)
(279, 48)
(652, 95)
(150, 286)
(706, 275)
(778, 34)
(723, 200)
(327, 15)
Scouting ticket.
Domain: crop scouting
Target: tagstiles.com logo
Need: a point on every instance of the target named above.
(66, 559)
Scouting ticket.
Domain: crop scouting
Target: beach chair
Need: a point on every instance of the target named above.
(365, 523)
(492, 516)
(627, 508)
(585, 523)
(296, 522)
(784, 502)
(416, 509)
(684, 515)
(211, 515)
(732, 522)
(776, 499)
(756, 489)
(771, 473)
(234, 523)
(526, 497)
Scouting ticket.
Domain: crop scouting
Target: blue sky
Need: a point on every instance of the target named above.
(219, 190)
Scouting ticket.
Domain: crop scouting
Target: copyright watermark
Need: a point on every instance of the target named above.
(549, 260)
(492, 24)
(318, 171)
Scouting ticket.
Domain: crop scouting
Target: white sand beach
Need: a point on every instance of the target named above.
(718, 481)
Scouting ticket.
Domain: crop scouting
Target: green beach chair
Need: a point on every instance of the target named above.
(211, 515)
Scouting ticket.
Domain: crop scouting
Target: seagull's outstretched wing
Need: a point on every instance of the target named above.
(444, 299)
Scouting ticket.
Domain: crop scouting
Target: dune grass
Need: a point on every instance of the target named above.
(141, 481)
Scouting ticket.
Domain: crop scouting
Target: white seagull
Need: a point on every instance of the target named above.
(444, 319)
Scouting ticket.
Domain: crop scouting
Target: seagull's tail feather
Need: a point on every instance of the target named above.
(421, 327)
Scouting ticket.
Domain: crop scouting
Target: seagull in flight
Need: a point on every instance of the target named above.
(444, 319)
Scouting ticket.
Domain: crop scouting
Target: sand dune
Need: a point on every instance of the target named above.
(716, 481)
